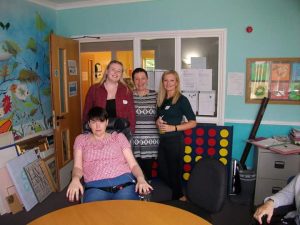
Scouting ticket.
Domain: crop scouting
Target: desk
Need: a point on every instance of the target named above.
(120, 212)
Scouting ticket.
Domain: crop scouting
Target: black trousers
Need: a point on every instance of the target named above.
(146, 166)
(170, 162)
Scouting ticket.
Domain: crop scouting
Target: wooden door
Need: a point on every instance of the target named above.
(66, 102)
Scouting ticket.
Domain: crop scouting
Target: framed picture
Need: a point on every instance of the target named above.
(275, 78)
(38, 180)
(51, 166)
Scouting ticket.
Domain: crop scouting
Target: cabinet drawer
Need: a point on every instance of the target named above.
(267, 187)
(277, 166)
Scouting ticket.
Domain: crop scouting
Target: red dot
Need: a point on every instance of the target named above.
(199, 141)
(211, 151)
(154, 173)
(211, 142)
(187, 167)
(212, 132)
(188, 140)
(199, 150)
(188, 132)
(154, 165)
(200, 132)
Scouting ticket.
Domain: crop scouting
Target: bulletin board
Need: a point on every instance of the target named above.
(275, 78)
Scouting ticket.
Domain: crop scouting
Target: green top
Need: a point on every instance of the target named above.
(173, 114)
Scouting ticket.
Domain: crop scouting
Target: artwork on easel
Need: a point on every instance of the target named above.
(275, 78)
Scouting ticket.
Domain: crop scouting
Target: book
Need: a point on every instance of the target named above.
(295, 133)
(266, 143)
(286, 149)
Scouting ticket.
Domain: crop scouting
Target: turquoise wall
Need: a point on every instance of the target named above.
(25, 100)
(276, 33)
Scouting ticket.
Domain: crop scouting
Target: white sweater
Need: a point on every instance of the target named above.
(287, 196)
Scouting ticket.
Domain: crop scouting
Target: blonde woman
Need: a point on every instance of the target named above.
(112, 94)
(172, 106)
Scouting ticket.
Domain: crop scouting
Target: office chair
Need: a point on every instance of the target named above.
(206, 189)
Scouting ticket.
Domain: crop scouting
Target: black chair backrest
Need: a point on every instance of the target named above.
(207, 186)
(114, 124)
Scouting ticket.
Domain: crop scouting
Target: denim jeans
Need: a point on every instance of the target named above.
(95, 194)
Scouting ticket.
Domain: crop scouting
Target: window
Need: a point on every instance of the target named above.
(187, 51)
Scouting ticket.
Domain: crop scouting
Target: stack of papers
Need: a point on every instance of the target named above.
(268, 142)
(286, 149)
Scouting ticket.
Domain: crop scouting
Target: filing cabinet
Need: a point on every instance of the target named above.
(272, 172)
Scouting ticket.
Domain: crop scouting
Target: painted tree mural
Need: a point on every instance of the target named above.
(24, 80)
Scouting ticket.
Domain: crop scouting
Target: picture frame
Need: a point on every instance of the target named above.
(51, 166)
(38, 180)
(275, 78)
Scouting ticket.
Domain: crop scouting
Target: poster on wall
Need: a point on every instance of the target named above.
(72, 67)
(196, 79)
(72, 88)
(275, 78)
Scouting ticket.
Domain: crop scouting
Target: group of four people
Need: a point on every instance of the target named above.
(111, 170)
(105, 161)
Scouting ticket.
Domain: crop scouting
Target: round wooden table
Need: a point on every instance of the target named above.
(120, 212)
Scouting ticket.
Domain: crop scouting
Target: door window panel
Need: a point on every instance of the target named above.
(62, 82)
(202, 53)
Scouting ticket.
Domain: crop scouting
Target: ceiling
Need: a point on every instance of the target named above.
(69, 4)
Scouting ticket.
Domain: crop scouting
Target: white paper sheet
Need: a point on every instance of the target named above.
(196, 79)
(204, 80)
(207, 103)
(198, 62)
(193, 99)
(236, 84)
(72, 67)
(188, 79)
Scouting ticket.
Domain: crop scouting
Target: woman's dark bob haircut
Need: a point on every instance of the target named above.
(138, 70)
(97, 113)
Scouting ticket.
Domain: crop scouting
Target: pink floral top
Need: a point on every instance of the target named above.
(102, 159)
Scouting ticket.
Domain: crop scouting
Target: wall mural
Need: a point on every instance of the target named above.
(25, 91)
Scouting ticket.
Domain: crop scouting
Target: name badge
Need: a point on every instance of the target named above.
(167, 107)
(125, 102)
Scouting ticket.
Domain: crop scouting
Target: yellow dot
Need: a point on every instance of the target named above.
(186, 176)
(223, 160)
(224, 143)
(224, 133)
(223, 152)
(187, 158)
(188, 149)
(197, 158)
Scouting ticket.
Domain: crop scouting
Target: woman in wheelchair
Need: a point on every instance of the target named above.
(289, 195)
(106, 164)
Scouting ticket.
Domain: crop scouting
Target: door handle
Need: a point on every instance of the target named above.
(60, 117)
